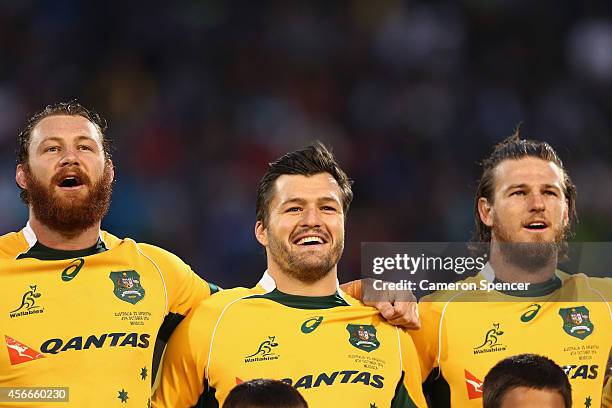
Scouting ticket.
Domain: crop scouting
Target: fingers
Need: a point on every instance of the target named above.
(404, 314)
(408, 320)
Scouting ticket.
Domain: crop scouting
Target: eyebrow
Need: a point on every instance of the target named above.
(59, 139)
(523, 185)
(297, 200)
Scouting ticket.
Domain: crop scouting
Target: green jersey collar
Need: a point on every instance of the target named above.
(44, 253)
(303, 302)
(535, 289)
(37, 250)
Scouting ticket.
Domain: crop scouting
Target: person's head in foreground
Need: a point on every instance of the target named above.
(524, 204)
(262, 393)
(64, 170)
(302, 202)
(526, 381)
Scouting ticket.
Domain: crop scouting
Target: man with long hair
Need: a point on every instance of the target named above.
(524, 207)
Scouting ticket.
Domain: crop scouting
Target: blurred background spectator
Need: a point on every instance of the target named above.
(200, 95)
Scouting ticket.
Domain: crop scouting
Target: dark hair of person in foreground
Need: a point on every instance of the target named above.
(263, 393)
(529, 371)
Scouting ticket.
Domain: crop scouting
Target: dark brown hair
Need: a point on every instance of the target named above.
(524, 370)
(262, 393)
(72, 108)
(314, 159)
(515, 148)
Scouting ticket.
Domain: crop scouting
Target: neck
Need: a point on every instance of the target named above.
(292, 286)
(508, 272)
(60, 240)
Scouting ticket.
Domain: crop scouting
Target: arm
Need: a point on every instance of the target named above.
(426, 339)
(411, 388)
(184, 290)
(398, 308)
(182, 375)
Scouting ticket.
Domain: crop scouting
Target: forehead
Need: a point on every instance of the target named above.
(64, 127)
(528, 171)
(523, 397)
(290, 186)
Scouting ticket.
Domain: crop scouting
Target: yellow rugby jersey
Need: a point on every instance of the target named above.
(460, 341)
(88, 320)
(334, 351)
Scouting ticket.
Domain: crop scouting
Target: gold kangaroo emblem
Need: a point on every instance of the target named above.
(265, 348)
(29, 299)
(491, 337)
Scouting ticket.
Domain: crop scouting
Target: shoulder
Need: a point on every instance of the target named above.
(207, 312)
(587, 286)
(351, 301)
(111, 241)
(12, 244)
(157, 254)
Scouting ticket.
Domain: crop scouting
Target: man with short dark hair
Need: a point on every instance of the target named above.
(296, 325)
(524, 206)
(526, 381)
(82, 308)
(81, 302)
(261, 393)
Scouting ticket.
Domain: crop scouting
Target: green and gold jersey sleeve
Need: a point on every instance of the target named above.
(182, 379)
(426, 338)
(412, 377)
(184, 288)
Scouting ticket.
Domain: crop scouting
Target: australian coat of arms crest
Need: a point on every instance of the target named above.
(363, 336)
(127, 286)
(576, 321)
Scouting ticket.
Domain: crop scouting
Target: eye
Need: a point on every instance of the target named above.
(85, 147)
(550, 193)
(517, 193)
(328, 208)
(293, 209)
(52, 149)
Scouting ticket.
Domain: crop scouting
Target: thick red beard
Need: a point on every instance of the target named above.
(70, 217)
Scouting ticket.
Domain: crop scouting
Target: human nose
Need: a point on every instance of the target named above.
(536, 202)
(311, 217)
(70, 157)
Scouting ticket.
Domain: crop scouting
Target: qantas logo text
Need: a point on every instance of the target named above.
(54, 346)
(337, 377)
(586, 372)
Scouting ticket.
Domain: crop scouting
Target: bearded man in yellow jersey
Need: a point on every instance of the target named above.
(80, 309)
(296, 325)
(524, 207)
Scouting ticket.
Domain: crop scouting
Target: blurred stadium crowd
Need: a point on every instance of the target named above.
(200, 95)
